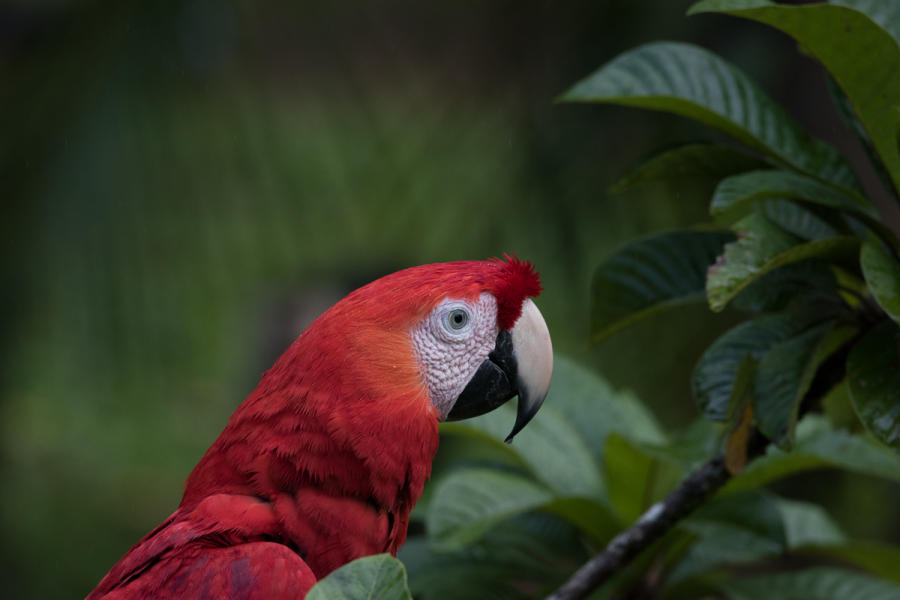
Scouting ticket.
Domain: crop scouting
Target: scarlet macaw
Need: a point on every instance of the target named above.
(323, 462)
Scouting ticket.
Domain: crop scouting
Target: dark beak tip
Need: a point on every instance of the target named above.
(526, 410)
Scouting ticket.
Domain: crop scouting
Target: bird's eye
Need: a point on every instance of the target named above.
(457, 319)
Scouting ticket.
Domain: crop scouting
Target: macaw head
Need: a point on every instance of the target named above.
(483, 342)
(465, 334)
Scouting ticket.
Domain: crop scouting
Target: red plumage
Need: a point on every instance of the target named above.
(323, 462)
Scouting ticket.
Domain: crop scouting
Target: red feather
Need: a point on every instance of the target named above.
(323, 462)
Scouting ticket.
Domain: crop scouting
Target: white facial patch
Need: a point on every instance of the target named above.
(451, 342)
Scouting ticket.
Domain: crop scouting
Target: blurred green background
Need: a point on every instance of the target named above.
(186, 185)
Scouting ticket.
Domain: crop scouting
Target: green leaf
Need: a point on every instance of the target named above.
(873, 370)
(785, 374)
(550, 447)
(525, 554)
(732, 529)
(804, 282)
(861, 55)
(629, 472)
(587, 515)
(470, 501)
(885, 14)
(596, 410)
(379, 577)
(822, 583)
(708, 161)
(819, 446)
(692, 82)
(807, 524)
(882, 273)
(762, 247)
(878, 558)
(797, 220)
(651, 275)
(739, 191)
(714, 376)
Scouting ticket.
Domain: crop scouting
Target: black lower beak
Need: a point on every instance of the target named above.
(495, 382)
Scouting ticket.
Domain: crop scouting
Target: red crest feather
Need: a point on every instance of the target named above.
(517, 281)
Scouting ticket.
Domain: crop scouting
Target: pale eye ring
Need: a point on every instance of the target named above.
(457, 319)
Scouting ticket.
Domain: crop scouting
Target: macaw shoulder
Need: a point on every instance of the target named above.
(217, 549)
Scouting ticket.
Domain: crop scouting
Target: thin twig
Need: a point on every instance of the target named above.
(656, 521)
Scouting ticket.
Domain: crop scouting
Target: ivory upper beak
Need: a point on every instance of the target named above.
(533, 352)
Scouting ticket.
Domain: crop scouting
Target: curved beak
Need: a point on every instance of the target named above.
(521, 364)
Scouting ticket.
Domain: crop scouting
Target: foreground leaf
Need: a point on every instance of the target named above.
(873, 370)
(861, 55)
(739, 191)
(785, 374)
(468, 502)
(875, 557)
(819, 446)
(809, 282)
(762, 247)
(522, 555)
(733, 529)
(823, 583)
(695, 83)
(807, 524)
(651, 275)
(885, 14)
(628, 474)
(709, 161)
(379, 577)
(714, 377)
(882, 273)
(596, 410)
(798, 220)
(551, 449)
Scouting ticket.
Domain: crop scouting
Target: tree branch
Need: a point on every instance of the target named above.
(656, 521)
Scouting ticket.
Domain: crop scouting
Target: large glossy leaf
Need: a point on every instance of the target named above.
(873, 370)
(558, 448)
(379, 577)
(762, 247)
(875, 557)
(651, 275)
(735, 193)
(595, 409)
(706, 161)
(714, 375)
(594, 519)
(692, 82)
(885, 14)
(628, 475)
(749, 527)
(804, 282)
(513, 560)
(882, 273)
(550, 447)
(823, 583)
(784, 375)
(468, 502)
(796, 219)
(860, 54)
(807, 524)
(819, 446)
(732, 529)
